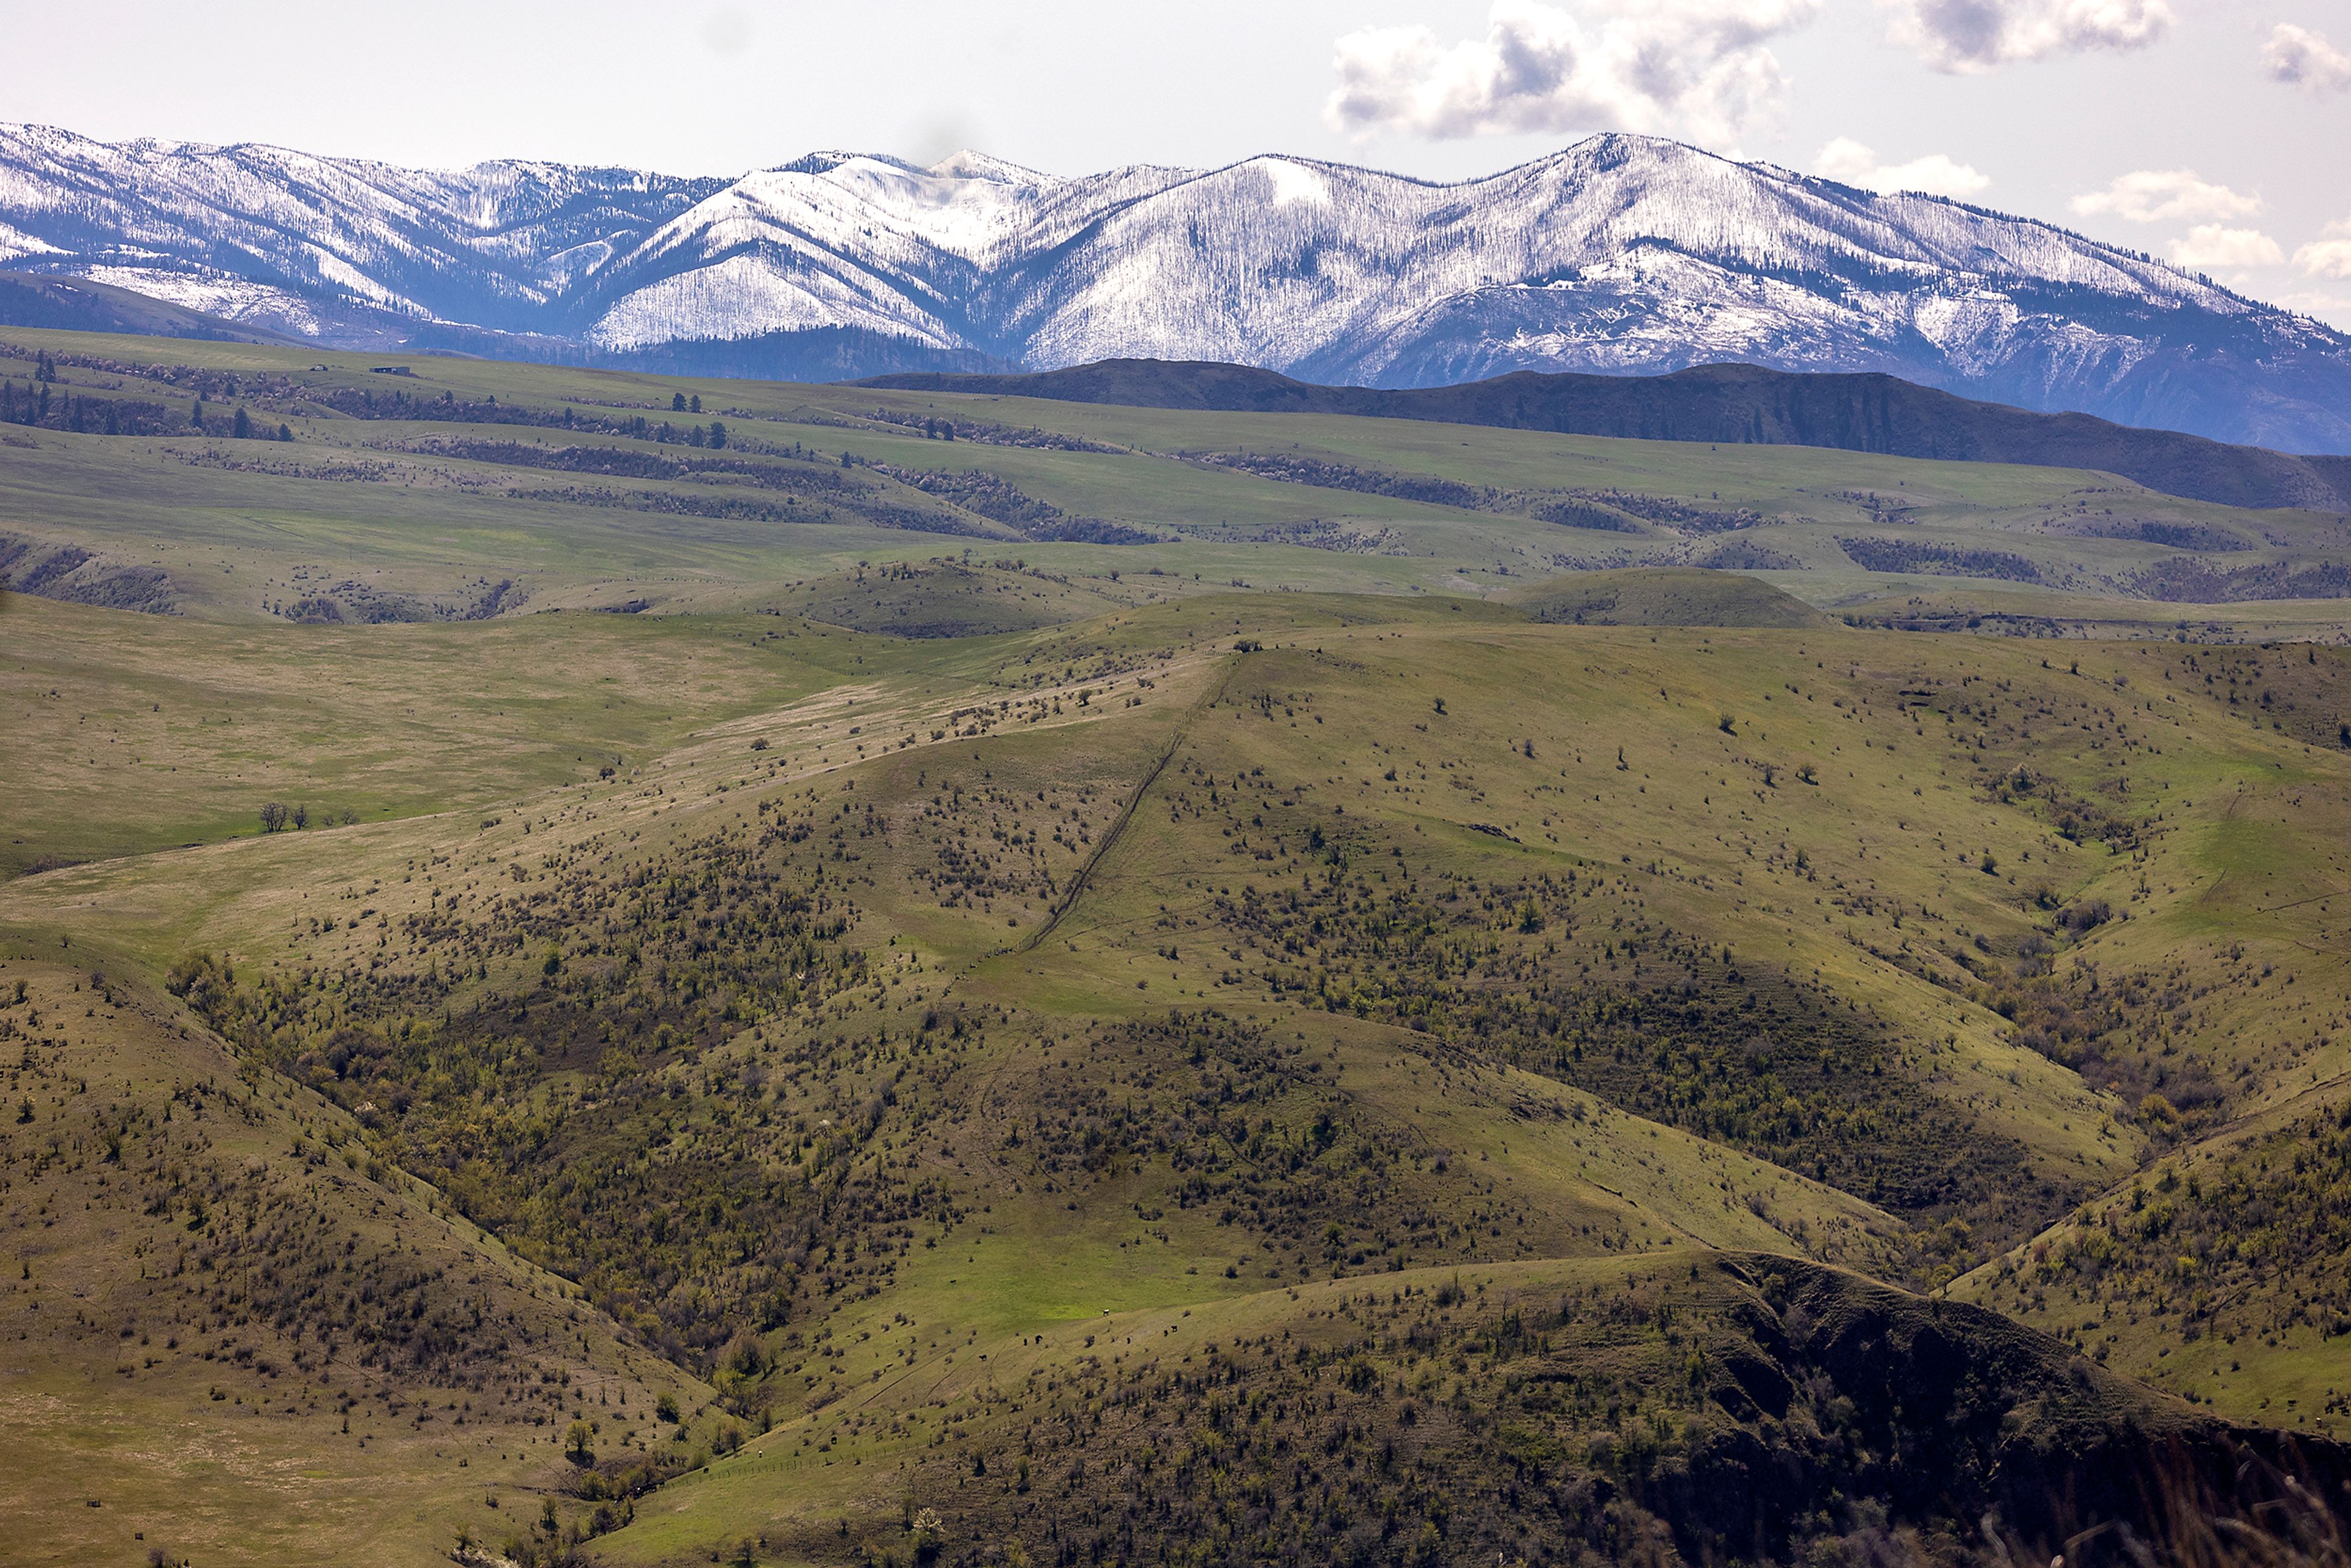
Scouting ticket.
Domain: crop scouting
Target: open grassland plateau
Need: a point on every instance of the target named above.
(243, 480)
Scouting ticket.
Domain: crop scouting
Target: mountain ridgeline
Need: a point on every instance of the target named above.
(1718, 404)
(1620, 254)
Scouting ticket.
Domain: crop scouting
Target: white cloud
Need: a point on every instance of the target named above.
(1971, 35)
(2209, 245)
(1849, 163)
(2325, 258)
(2166, 195)
(2305, 59)
(2328, 257)
(1689, 68)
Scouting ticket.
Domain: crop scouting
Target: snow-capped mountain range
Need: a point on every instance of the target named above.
(1620, 254)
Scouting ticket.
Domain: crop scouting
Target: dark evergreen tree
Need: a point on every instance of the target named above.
(677, 403)
(695, 402)
(285, 433)
(717, 435)
(243, 429)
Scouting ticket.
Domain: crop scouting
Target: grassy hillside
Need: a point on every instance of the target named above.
(240, 1335)
(1036, 1055)
(1718, 404)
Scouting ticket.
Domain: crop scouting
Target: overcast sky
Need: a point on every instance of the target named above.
(2212, 132)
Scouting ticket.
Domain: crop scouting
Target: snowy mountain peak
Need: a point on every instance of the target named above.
(966, 165)
(1621, 253)
(1294, 180)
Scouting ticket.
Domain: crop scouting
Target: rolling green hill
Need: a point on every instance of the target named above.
(986, 1003)
(77, 305)
(1716, 404)
(1664, 596)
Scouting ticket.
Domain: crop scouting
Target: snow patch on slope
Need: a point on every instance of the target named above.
(747, 297)
(15, 246)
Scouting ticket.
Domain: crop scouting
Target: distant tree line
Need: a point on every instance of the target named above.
(242, 427)
(277, 390)
(277, 817)
(36, 406)
(362, 402)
